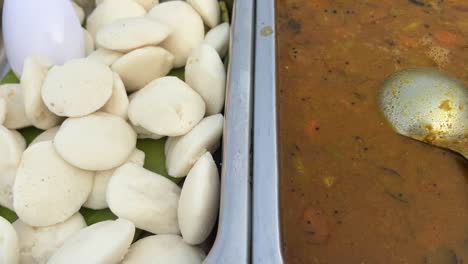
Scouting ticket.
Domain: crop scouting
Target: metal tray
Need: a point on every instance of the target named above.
(266, 235)
(232, 243)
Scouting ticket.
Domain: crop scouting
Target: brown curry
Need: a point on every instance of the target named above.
(352, 190)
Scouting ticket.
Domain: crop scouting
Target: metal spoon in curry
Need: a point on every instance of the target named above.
(427, 105)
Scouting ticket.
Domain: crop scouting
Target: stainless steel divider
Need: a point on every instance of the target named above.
(266, 237)
(233, 241)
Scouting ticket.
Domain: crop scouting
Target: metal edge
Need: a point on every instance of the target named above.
(266, 236)
(232, 244)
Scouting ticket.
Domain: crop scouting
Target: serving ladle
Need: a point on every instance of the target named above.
(427, 105)
(48, 29)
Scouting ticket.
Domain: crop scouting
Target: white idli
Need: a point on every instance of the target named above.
(37, 244)
(7, 180)
(105, 56)
(147, 4)
(34, 73)
(97, 198)
(131, 33)
(78, 88)
(80, 14)
(12, 145)
(209, 10)
(47, 135)
(15, 117)
(110, 11)
(9, 247)
(205, 73)
(199, 201)
(147, 199)
(118, 103)
(99, 141)
(143, 133)
(167, 106)
(218, 38)
(163, 249)
(186, 25)
(141, 66)
(3, 110)
(102, 243)
(47, 189)
(89, 42)
(184, 151)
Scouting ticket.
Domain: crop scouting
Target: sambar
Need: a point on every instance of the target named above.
(351, 189)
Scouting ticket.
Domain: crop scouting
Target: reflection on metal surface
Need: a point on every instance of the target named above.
(427, 105)
(232, 244)
(266, 245)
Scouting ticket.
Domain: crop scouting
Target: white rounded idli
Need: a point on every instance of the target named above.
(3, 110)
(9, 245)
(37, 244)
(167, 106)
(147, 199)
(184, 151)
(163, 249)
(168, 146)
(15, 117)
(100, 141)
(205, 73)
(34, 73)
(169, 142)
(137, 157)
(132, 95)
(97, 198)
(118, 103)
(47, 189)
(12, 145)
(186, 26)
(78, 88)
(105, 56)
(80, 14)
(111, 10)
(131, 33)
(147, 4)
(209, 11)
(218, 38)
(143, 133)
(47, 135)
(98, 2)
(89, 42)
(141, 66)
(19, 139)
(7, 180)
(199, 201)
(104, 242)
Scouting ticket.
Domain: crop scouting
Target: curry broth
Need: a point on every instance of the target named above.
(352, 190)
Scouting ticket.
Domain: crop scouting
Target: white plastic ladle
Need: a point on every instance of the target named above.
(45, 28)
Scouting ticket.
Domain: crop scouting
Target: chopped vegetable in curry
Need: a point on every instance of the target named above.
(352, 190)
